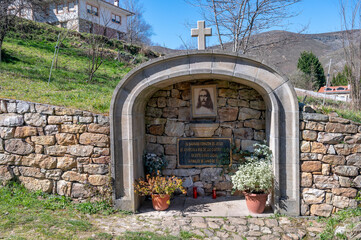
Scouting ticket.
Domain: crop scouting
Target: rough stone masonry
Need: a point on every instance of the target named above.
(241, 117)
(330, 163)
(66, 151)
(54, 149)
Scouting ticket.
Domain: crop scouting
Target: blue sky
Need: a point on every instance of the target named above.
(169, 19)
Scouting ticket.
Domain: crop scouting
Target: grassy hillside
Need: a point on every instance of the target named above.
(27, 56)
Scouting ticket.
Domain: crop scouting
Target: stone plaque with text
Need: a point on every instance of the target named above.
(204, 152)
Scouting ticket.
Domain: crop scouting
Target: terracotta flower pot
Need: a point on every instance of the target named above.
(256, 202)
(160, 202)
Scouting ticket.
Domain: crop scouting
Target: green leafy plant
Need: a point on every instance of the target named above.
(154, 163)
(256, 174)
(261, 153)
(189, 235)
(358, 197)
(158, 185)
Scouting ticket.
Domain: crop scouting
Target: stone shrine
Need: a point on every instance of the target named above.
(194, 108)
(168, 117)
(204, 94)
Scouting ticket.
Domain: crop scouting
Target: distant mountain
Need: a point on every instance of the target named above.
(282, 49)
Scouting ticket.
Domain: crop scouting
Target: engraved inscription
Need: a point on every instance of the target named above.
(204, 152)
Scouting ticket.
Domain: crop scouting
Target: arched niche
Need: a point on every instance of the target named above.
(130, 97)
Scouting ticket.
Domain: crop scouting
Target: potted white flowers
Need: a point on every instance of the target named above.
(255, 178)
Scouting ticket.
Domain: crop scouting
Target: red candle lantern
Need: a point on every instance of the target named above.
(195, 192)
(214, 194)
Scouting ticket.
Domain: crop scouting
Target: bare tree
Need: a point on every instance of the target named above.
(96, 54)
(138, 30)
(351, 24)
(62, 36)
(186, 45)
(98, 32)
(238, 20)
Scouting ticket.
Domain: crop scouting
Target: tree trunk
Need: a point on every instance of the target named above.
(91, 76)
(1, 47)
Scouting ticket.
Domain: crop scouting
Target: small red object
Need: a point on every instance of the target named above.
(214, 194)
(195, 192)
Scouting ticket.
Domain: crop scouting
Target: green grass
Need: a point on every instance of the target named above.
(155, 236)
(36, 215)
(145, 236)
(189, 235)
(102, 236)
(27, 56)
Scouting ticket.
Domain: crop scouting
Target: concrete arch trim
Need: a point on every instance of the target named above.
(127, 117)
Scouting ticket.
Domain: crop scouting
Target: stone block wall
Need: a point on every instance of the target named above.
(66, 151)
(54, 149)
(330, 161)
(241, 117)
(87, 26)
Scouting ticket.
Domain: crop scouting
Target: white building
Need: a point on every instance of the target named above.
(103, 17)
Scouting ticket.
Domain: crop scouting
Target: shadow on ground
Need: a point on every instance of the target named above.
(204, 207)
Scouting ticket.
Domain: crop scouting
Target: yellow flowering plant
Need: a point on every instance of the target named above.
(158, 185)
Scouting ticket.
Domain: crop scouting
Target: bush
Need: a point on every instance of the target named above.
(158, 185)
(256, 174)
(253, 177)
(154, 163)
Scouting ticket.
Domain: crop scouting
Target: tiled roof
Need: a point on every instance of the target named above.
(334, 89)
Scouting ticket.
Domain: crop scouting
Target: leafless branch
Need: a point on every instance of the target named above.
(351, 23)
(238, 20)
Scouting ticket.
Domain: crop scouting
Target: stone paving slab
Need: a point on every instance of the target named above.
(204, 207)
(220, 207)
(210, 219)
(215, 228)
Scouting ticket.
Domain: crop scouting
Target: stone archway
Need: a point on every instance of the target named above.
(132, 93)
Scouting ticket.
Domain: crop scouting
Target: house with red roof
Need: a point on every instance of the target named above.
(341, 92)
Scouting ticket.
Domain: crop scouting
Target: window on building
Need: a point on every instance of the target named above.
(340, 89)
(71, 6)
(116, 19)
(328, 89)
(60, 8)
(23, 13)
(92, 10)
(64, 24)
(120, 35)
(12, 11)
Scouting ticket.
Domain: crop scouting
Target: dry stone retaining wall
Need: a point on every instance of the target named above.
(66, 151)
(330, 161)
(54, 149)
(241, 117)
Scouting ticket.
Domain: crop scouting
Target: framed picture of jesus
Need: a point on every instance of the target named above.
(204, 101)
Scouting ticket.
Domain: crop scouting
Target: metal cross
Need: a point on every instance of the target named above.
(201, 32)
